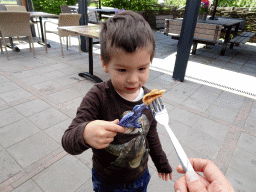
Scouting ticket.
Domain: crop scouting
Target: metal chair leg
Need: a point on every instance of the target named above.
(7, 55)
(67, 42)
(31, 39)
(61, 47)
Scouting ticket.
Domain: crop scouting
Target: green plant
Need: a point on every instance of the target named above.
(141, 5)
(51, 6)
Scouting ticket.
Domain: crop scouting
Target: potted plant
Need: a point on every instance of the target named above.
(204, 9)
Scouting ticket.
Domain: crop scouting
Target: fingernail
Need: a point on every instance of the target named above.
(177, 191)
(192, 176)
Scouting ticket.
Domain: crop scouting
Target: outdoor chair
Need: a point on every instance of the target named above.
(20, 8)
(14, 24)
(65, 19)
(67, 9)
(92, 17)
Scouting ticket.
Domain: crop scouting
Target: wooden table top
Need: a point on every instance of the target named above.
(92, 31)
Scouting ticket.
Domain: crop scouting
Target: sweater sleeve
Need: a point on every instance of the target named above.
(72, 140)
(156, 152)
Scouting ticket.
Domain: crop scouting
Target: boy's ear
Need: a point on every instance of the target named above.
(104, 65)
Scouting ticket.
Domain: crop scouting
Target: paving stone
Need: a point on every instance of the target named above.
(65, 95)
(174, 96)
(17, 131)
(23, 74)
(15, 95)
(202, 143)
(247, 142)
(157, 184)
(86, 158)
(56, 132)
(25, 153)
(2, 103)
(70, 70)
(52, 116)
(59, 66)
(197, 104)
(184, 117)
(221, 113)
(252, 112)
(69, 79)
(240, 182)
(47, 86)
(87, 186)
(42, 70)
(8, 86)
(183, 89)
(68, 174)
(208, 89)
(9, 115)
(32, 107)
(244, 162)
(8, 166)
(3, 79)
(228, 104)
(205, 96)
(29, 186)
(212, 128)
(166, 143)
(35, 79)
(250, 125)
(179, 129)
(232, 96)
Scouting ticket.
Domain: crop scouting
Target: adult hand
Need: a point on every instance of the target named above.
(99, 134)
(165, 176)
(214, 180)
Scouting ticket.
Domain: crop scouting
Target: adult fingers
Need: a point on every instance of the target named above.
(194, 182)
(180, 185)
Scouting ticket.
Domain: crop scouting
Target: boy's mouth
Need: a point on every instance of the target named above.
(130, 89)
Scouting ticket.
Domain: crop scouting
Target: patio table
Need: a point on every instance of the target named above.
(91, 31)
(102, 10)
(228, 24)
(41, 15)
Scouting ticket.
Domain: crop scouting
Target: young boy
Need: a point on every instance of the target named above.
(120, 154)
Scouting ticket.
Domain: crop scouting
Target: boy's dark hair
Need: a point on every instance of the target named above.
(126, 30)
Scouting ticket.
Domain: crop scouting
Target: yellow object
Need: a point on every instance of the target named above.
(154, 93)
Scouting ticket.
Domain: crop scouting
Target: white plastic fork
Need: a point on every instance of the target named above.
(161, 115)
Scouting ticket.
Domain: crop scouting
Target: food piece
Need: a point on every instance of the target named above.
(155, 93)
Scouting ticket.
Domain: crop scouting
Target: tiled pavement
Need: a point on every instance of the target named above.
(39, 97)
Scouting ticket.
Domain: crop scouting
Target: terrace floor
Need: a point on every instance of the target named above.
(212, 113)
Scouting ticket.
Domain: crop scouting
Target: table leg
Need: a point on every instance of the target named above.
(90, 74)
(42, 33)
(226, 41)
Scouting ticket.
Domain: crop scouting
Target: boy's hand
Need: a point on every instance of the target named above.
(165, 176)
(99, 134)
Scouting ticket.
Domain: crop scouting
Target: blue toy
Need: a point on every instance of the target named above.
(130, 120)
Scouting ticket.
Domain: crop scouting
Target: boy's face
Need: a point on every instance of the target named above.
(128, 71)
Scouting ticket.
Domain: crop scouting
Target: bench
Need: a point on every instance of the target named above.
(160, 20)
(241, 38)
(205, 33)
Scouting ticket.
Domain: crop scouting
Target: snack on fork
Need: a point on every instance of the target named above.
(154, 93)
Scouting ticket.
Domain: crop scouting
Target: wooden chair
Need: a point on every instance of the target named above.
(65, 19)
(14, 24)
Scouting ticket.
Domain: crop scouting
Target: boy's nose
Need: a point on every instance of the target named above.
(133, 78)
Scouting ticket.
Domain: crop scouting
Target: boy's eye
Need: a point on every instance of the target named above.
(143, 68)
(122, 70)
